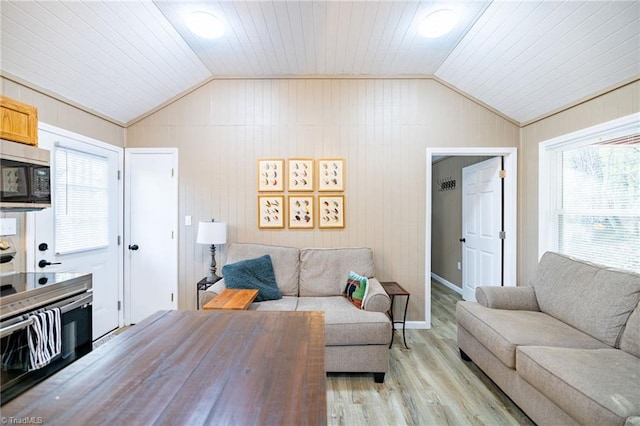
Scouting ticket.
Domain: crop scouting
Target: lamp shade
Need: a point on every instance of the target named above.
(212, 233)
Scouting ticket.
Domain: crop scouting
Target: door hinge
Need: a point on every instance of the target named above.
(119, 305)
(172, 235)
(119, 240)
(119, 175)
(503, 174)
(172, 297)
(172, 172)
(502, 235)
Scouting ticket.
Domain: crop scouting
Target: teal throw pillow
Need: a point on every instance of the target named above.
(253, 274)
(356, 289)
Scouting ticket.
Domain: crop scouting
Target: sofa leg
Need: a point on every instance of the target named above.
(464, 356)
(378, 377)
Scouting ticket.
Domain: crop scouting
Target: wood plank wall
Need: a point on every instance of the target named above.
(381, 127)
(615, 104)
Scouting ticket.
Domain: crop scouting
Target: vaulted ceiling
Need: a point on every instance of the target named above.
(123, 59)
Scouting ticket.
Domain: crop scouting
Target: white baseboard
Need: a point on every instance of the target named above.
(446, 283)
(416, 325)
(422, 325)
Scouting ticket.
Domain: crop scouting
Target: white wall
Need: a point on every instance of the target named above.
(381, 127)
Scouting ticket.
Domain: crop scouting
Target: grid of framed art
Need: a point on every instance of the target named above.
(301, 208)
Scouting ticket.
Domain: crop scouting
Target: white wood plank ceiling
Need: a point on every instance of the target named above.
(123, 59)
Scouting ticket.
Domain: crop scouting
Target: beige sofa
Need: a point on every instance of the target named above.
(566, 349)
(357, 340)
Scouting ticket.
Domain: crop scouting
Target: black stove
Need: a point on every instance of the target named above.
(22, 297)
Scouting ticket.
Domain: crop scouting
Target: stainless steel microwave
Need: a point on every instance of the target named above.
(25, 177)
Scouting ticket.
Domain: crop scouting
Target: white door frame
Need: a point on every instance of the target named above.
(127, 223)
(510, 211)
(30, 218)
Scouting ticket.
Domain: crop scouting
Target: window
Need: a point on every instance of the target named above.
(593, 195)
(81, 201)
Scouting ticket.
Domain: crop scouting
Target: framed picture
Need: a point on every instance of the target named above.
(330, 211)
(301, 212)
(300, 174)
(271, 174)
(331, 174)
(270, 211)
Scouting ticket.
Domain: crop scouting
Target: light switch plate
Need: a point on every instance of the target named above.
(8, 226)
(187, 221)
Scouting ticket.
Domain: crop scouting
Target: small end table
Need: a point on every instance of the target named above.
(394, 289)
(202, 285)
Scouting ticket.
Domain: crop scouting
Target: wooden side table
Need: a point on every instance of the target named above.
(394, 289)
(202, 285)
(232, 299)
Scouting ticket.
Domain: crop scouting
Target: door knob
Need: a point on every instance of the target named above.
(44, 263)
(133, 247)
(463, 240)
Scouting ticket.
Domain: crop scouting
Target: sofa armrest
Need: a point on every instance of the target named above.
(377, 299)
(512, 298)
(212, 292)
(632, 421)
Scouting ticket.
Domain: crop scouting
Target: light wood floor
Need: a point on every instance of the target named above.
(427, 384)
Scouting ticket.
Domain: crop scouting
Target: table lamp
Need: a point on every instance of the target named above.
(212, 233)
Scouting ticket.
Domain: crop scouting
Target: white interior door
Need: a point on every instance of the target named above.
(481, 226)
(79, 233)
(151, 220)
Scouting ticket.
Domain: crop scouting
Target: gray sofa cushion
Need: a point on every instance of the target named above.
(287, 303)
(347, 325)
(502, 331)
(592, 298)
(377, 299)
(575, 380)
(630, 341)
(513, 298)
(323, 272)
(285, 262)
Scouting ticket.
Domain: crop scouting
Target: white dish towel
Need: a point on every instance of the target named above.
(43, 338)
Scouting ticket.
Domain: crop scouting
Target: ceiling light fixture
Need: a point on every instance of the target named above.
(205, 25)
(438, 23)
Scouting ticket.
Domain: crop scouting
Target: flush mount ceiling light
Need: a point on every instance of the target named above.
(205, 25)
(438, 23)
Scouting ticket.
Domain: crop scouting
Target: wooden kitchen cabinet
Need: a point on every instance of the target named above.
(18, 121)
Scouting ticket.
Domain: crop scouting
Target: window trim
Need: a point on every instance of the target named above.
(547, 167)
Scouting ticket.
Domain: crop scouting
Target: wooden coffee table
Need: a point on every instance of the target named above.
(193, 368)
(232, 299)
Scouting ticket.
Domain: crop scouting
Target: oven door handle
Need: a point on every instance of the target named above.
(63, 310)
(76, 304)
(15, 327)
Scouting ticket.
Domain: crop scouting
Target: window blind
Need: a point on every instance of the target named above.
(81, 201)
(598, 211)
